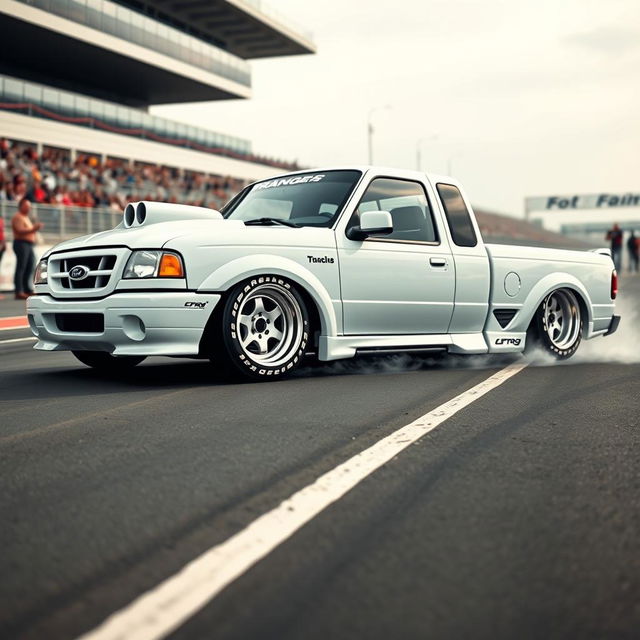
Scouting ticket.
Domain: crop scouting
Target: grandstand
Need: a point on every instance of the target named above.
(80, 75)
(53, 177)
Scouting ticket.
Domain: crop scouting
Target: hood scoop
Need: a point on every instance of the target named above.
(138, 214)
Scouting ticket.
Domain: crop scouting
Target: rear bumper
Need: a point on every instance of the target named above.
(141, 324)
(613, 326)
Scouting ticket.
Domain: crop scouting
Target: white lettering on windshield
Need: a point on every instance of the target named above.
(284, 182)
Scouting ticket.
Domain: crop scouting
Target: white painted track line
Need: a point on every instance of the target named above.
(29, 339)
(161, 610)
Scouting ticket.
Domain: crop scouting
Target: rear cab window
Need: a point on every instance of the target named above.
(458, 215)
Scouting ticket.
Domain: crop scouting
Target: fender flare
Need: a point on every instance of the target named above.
(543, 288)
(253, 265)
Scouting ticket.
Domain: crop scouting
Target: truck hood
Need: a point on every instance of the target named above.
(215, 232)
(151, 236)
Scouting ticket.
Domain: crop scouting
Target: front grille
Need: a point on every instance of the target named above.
(504, 316)
(80, 322)
(97, 272)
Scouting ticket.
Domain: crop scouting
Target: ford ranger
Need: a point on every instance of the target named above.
(326, 264)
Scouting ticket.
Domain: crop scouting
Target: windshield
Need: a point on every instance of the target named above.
(312, 199)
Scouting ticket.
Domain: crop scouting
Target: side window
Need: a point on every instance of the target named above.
(407, 203)
(458, 216)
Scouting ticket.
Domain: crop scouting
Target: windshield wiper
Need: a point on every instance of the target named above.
(285, 223)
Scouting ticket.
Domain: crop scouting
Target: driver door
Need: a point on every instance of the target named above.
(403, 282)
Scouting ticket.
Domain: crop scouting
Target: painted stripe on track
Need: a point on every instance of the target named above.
(29, 339)
(163, 609)
(13, 322)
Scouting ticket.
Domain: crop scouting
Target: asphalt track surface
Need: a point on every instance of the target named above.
(518, 517)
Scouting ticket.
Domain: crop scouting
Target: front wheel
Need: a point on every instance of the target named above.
(104, 361)
(264, 330)
(559, 323)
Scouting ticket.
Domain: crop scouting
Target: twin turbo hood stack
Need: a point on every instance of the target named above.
(143, 213)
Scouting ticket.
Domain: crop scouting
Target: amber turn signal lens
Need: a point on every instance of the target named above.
(170, 266)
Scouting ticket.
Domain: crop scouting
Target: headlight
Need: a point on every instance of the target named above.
(154, 264)
(40, 276)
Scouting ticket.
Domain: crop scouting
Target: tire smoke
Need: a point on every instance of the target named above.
(623, 347)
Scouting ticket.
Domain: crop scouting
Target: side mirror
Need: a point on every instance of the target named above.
(371, 223)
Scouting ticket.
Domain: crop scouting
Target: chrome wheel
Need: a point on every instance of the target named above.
(561, 319)
(270, 325)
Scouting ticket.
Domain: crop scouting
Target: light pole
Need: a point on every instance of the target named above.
(370, 129)
(419, 147)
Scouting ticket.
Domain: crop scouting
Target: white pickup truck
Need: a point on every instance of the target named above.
(327, 263)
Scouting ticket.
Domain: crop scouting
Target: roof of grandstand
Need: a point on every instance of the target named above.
(246, 28)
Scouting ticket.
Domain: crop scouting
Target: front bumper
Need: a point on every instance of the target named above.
(153, 323)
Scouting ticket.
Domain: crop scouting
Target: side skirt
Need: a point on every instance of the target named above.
(338, 347)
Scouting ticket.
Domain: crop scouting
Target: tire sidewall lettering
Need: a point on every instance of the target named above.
(231, 339)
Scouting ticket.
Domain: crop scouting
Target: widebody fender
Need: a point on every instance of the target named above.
(235, 271)
(549, 283)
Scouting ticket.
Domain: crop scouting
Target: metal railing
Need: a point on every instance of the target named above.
(63, 222)
(63, 106)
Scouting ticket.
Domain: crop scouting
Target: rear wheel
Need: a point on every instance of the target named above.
(104, 361)
(559, 323)
(264, 330)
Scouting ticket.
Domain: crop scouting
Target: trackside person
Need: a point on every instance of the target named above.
(24, 237)
(614, 235)
(3, 245)
(634, 252)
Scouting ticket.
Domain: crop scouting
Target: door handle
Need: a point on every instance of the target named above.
(438, 262)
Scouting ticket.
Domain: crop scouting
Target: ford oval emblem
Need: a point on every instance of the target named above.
(79, 272)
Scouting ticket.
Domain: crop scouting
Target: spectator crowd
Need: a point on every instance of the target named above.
(88, 180)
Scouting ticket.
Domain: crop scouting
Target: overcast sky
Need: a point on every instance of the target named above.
(526, 97)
